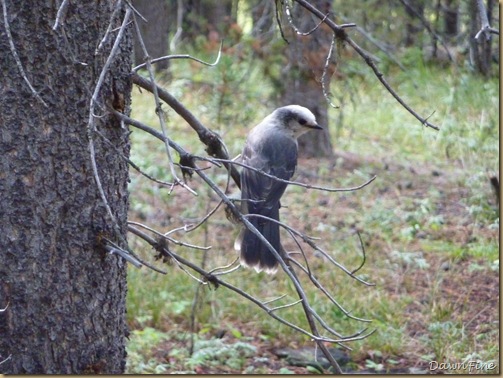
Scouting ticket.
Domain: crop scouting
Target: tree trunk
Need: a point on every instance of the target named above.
(480, 49)
(412, 26)
(154, 32)
(306, 62)
(209, 18)
(65, 296)
(451, 12)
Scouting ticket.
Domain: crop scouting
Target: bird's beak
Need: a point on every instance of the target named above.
(315, 126)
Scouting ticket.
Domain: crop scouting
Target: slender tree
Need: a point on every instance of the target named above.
(62, 293)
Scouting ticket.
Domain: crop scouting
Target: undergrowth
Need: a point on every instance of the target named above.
(428, 222)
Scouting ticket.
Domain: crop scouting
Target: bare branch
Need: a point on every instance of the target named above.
(278, 20)
(292, 24)
(160, 112)
(168, 238)
(215, 145)
(378, 44)
(125, 255)
(6, 359)
(163, 250)
(296, 183)
(132, 164)
(182, 56)
(342, 35)
(117, 8)
(324, 75)
(91, 126)
(363, 252)
(179, 21)
(61, 10)
(309, 241)
(213, 279)
(318, 284)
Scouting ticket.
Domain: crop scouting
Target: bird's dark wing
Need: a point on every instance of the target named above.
(279, 160)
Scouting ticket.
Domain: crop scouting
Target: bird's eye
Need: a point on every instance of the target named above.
(302, 121)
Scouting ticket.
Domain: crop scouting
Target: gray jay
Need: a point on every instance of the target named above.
(271, 147)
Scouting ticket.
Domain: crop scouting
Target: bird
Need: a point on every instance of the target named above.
(270, 147)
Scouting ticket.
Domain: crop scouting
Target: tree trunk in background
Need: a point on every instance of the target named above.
(302, 75)
(451, 12)
(481, 49)
(65, 296)
(154, 31)
(413, 25)
(209, 18)
(262, 12)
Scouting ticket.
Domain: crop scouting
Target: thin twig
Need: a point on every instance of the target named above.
(324, 81)
(182, 56)
(363, 253)
(296, 183)
(59, 15)
(159, 248)
(309, 241)
(278, 21)
(168, 238)
(330, 297)
(117, 8)
(131, 163)
(430, 30)
(292, 24)
(160, 112)
(341, 34)
(91, 126)
(215, 145)
(209, 278)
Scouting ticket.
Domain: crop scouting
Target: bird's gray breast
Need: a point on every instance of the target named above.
(274, 154)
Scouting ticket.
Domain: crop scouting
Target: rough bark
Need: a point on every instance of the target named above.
(65, 296)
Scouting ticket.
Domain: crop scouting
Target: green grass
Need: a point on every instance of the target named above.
(430, 207)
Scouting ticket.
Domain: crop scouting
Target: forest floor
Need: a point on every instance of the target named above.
(429, 225)
(450, 280)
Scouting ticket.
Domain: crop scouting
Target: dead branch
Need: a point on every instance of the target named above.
(181, 56)
(61, 11)
(159, 111)
(215, 145)
(209, 278)
(310, 313)
(296, 183)
(341, 34)
(91, 125)
(118, 7)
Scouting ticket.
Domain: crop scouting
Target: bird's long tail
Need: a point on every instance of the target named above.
(254, 253)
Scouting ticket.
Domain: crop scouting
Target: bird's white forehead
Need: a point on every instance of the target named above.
(301, 111)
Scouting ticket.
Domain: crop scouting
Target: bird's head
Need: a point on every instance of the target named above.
(296, 119)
